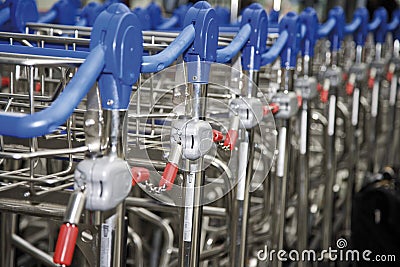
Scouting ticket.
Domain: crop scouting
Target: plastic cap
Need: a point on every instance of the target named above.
(66, 244)
(139, 175)
(231, 139)
(168, 176)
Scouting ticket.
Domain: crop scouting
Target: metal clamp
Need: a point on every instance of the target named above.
(250, 111)
(107, 180)
(288, 105)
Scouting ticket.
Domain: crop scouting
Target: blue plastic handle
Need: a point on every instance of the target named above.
(81, 22)
(394, 24)
(271, 55)
(47, 120)
(50, 52)
(309, 19)
(360, 32)
(303, 31)
(48, 17)
(5, 14)
(169, 23)
(396, 30)
(379, 25)
(325, 29)
(171, 53)
(352, 26)
(374, 24)
(229, 29)
(227, 53)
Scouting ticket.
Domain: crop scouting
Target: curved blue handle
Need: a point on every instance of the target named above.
(169, 23)
(47, 120)
(325, 29)
(352, 26)
(271, 55)
(379, 29)
(395, 30)
(50, 52)
(394, 24)
(171, 53)
(309, 20)
(227, 53)
(374, 24)
(48, 17)
(303, 31)
(359, 26)
(5, 14)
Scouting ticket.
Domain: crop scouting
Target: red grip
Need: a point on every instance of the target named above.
(139, 175)
(319, 87)
(299, 100)
(231, 139)
(217, 136)
(389, 76)
(324, 96)
(349, 88)
(65, 244)
(5, 81)
(371, 82)
(38, 87)
(169, 175)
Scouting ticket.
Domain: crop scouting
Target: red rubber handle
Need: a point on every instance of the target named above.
(371, 82)
(65, 244)
(389, 76)
(139, 175)
(217, 136)
(319, 87)
(5, 81)
(349, 88)
(299, 100)
(231, 138)
(169, 175)
(324, 96)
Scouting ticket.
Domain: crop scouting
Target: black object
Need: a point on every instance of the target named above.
(376, 219)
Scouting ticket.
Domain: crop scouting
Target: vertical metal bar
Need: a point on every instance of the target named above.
(32, 141)
(8, 227)
(330, 171)
(245, 173)
(303, 167)
(193, 191)
(303, 175)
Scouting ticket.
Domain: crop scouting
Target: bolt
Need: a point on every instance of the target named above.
(89, 122)
(110, 102)
(194, 78)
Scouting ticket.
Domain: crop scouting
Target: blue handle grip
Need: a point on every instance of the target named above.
(374, 24)
(169, 23)
(271, 55)
(352, 26)
(394, 24)
(171, 53)
(303, 31)
(379, 29)
(82, 22)
(48, 17)
(50, 52)
(5, 14)
(309, 19)
(396, 30)
(325, 29)
(47, 120)
(227, 53)
(359, 29)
